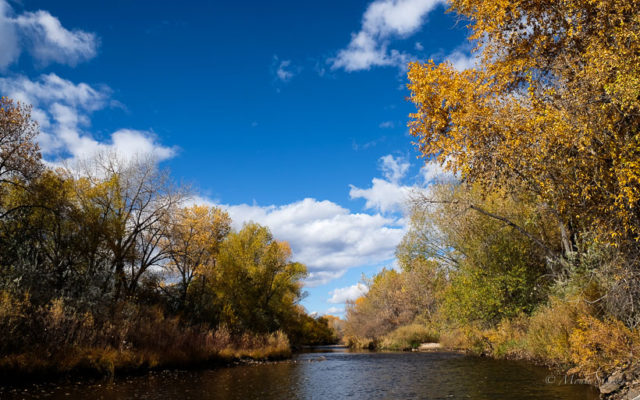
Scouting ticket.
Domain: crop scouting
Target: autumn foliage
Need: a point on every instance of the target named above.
(534, 252)
(105, 267)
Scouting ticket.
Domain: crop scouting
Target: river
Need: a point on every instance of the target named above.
(334, 373)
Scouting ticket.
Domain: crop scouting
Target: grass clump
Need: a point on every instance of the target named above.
(408, 337)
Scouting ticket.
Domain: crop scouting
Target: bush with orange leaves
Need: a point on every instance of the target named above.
(598, 347)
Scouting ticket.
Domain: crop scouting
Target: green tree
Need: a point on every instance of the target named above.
(258, 284)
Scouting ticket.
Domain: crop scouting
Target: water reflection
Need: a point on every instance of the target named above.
(333, 374)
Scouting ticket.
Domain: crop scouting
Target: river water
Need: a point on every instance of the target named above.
(334, 373)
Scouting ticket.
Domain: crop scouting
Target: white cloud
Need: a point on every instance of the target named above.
(63, 108)
(387, 124)
(282, 72)
(394, 168)
(389, 195)
(317, 278)
(350, 293)
(130, 143)
(50, 42)
(386, 195)
(326, 237)
(382, 21)
(50, 88)
(462, 60)
(9, 47)
(364, 52)
(334, 310)
(329, 238)
(384, 18)
(383, 196)
(44, 37)
(433, 172)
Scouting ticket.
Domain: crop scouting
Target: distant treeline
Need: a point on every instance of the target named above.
(105, 266)
(534, 250)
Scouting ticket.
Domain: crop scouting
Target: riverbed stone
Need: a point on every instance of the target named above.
(634, 394)
(429, 346)
(613, 383)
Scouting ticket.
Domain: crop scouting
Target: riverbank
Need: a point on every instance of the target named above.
(614, 373)
(335, 373)
(212, 350)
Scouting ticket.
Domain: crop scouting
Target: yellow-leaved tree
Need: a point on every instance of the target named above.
(552, 109)
(192, 242)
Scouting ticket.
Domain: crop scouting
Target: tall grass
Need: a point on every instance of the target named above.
(57, 339)
(408, 337)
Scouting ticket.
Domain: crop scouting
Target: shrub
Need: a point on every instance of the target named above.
(408, 337)
(550, 328)
(469, 337)
(508, 338)
(360, 343)
(598, 347)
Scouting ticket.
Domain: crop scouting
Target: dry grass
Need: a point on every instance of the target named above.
(470, 338)
(599, 347)
(360, 343)
(56, 339)
(408, 337)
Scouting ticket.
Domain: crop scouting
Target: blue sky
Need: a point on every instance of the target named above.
(288, 113)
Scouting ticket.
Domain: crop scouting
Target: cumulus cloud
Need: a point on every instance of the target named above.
(334, 310)
(382, 21)
(394, 168)
(9, 46)
(433, 172)
(43, 36)
(329, 238)
(383, 196)
(389, 195)
(50, 88)
(49, 41)
(326, 237)
(464, 57)
(386, 195)
(317, 278)
(63, 108)
(350, 293)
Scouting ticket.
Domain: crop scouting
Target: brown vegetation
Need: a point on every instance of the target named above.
(104, 268)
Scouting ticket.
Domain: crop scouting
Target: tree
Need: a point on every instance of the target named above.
(499, 272)
(20, 159)
(394, 299)
(259, 284)
(134, 200)
(192, 243)
(552, 110)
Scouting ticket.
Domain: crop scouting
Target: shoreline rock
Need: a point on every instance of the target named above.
(623, 384)
(429, 347)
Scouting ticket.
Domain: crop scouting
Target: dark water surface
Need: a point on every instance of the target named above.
(334, 374)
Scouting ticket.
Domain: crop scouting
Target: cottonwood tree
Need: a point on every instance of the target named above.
(134, 199)
(192, 243)
(258, 283)
(552, 108)
(20, 159)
